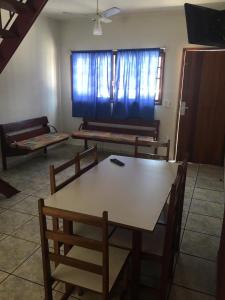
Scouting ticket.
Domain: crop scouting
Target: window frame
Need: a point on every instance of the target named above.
(161, 78)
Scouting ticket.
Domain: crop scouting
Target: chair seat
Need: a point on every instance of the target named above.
(40, 141)
(90, 231)
(85, 279)
(152, 243)
(109, 136)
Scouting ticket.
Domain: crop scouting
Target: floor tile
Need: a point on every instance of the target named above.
(199, 244)
(13, 252)
(32, 269)
(188, 191)
(196, 273)
(30, 231)
(184, 218)
(209, 195)
(3, 276)
(209, 183)
(179, 293)
(207, 208)
(12, 220)
(190, 181)
(214, 172)
(14, 288)
(204, 224)
(2, 236)
(192, 170)
(29, 205)
(187, 203)
(9, 202)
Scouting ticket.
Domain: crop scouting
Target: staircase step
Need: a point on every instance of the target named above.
(14, 6)
(5, 34)
(21, 26)
(6, 189)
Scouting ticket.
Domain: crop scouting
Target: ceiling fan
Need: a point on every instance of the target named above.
(103, 17)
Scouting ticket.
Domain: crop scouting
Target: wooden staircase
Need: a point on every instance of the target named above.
(6, 189)
(16, 18)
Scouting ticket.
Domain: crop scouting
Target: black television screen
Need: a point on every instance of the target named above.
(205, 26)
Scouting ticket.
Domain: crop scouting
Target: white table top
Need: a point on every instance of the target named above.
(133, 195)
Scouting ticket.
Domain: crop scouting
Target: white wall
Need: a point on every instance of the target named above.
(156, 29)
(29, 83)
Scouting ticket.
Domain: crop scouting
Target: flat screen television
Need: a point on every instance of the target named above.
(205, 26)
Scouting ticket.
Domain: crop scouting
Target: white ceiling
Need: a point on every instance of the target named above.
(62, 8)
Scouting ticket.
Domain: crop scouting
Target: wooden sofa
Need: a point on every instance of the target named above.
(20, 138)
(120, 132)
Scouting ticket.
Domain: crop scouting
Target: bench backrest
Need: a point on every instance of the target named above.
(129, 126)
(22, 130)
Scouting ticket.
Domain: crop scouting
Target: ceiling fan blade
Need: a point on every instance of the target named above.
(110, 12)
(105, 20)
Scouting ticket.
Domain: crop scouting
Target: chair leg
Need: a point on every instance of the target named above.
(69, 289)
(4, 162)
(80, 291)
(48, 292)
(85, 144)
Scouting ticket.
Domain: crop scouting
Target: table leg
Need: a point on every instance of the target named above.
(136, 262)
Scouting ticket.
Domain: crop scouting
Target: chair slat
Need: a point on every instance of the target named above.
(65, 165)
(76, 263)
(72, 216)
(74, 240)
(78, 171)
(155, 145)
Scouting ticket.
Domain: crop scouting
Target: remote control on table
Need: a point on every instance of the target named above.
(117, 162)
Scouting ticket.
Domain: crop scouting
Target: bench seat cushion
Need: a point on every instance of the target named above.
(40, 141)
(108, 136)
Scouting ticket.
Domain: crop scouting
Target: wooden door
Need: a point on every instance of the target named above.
(201, 128)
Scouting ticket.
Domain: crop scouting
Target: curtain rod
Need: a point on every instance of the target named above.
(116, 50)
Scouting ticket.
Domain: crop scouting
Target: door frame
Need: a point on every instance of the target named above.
(185, 50)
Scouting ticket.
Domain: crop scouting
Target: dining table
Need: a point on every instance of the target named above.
(133, 195)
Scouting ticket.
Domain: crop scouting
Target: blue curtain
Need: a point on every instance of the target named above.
(135, 85)
(91, 84)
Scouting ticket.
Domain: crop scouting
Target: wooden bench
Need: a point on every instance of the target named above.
(120, 132)
(20, 138)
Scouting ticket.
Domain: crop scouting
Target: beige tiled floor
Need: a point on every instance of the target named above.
(20, 254)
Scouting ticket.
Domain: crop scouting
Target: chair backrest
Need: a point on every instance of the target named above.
(54, 171)
(173, 226)
(78, 171)
(129, 126)
(155, 145)
(68, 239)
(91, 152)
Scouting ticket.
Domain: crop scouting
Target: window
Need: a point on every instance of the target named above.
(126, 78)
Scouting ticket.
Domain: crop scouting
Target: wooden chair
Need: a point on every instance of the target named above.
(164, 215)
(161, 245)
(86, 263)
(153, 144)
(80, 229)
(78, 171)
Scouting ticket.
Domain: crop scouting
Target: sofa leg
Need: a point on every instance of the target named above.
(45, 150)
(4, 162)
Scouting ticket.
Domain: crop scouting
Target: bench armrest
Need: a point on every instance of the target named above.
(81, 126)
(53, 127)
